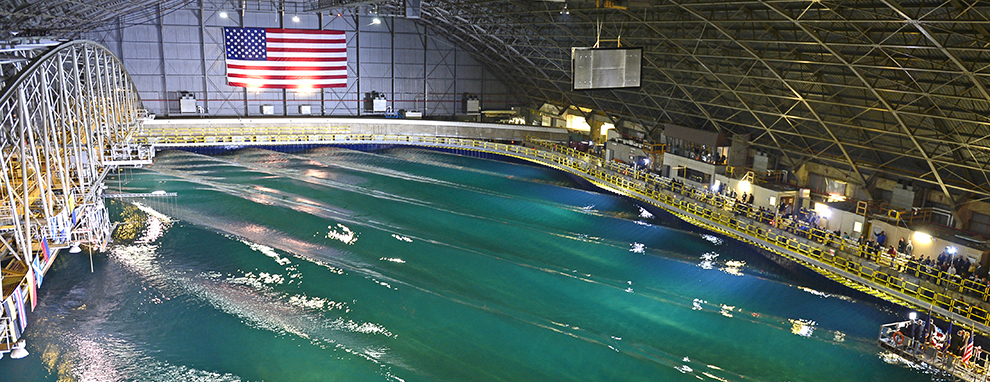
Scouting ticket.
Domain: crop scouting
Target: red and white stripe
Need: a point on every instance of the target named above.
(968, 351)
(297, 59)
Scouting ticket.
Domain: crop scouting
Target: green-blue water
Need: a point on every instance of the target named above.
(413, 265)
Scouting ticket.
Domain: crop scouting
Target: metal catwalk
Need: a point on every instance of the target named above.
(65, 118)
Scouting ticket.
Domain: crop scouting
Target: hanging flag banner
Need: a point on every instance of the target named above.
(19, 307)
(45, 252)
(38, 274)
(285, 58)
(59, 226)
(32, 287)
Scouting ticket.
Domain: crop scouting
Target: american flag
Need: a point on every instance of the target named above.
(968, 350)
(937, 336)
(285, 58)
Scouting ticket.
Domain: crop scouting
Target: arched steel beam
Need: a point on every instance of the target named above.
(890, 109)
(918, 24)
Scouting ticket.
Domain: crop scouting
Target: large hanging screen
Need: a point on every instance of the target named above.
(606, 68)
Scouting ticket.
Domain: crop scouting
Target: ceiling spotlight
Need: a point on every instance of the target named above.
(565, 11)
(376, 21)
(223, 14)
(295, 19)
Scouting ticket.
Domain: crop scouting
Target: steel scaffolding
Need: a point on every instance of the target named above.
(65, 122)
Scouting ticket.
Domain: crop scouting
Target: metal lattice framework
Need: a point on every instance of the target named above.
(71, 19)
(867, 86)
(64, 124)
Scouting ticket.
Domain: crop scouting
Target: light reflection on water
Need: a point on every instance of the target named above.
(286, 267)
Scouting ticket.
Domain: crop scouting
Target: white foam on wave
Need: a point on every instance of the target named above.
(251, 298)
(258, 281)
(643, 213)
(114, 359)
(151, 211)
(637, 248)
(343, 234)
(712, 239)
(402, 238)
(267, 251)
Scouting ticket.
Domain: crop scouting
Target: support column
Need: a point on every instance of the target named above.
(161, 58)
(596, 130)
(202, 57)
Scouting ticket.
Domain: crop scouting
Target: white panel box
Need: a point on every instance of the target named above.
(305, 109)
(606, 68)
(187, 103)
(473, 106)
(267, 109)
(380, 105)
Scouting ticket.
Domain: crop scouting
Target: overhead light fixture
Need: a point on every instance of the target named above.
(745, 185)
(922, 237)
(295, 19)
(223, 14)
(376, 21)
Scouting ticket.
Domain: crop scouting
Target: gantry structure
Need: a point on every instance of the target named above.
(66, 118)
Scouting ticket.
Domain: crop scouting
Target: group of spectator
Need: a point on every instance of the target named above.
(957, 264)
(878, 247)
(956, 267)
(916, 333)
(812, 225)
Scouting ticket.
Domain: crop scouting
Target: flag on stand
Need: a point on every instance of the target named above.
(285, 58)
(948, 337)
(937, 336)
(968, 350)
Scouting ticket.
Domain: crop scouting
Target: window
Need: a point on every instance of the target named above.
(697, 176)
(941, 213)
(823, 185)
(835, 187)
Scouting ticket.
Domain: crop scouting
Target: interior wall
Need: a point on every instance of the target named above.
(181, 50)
